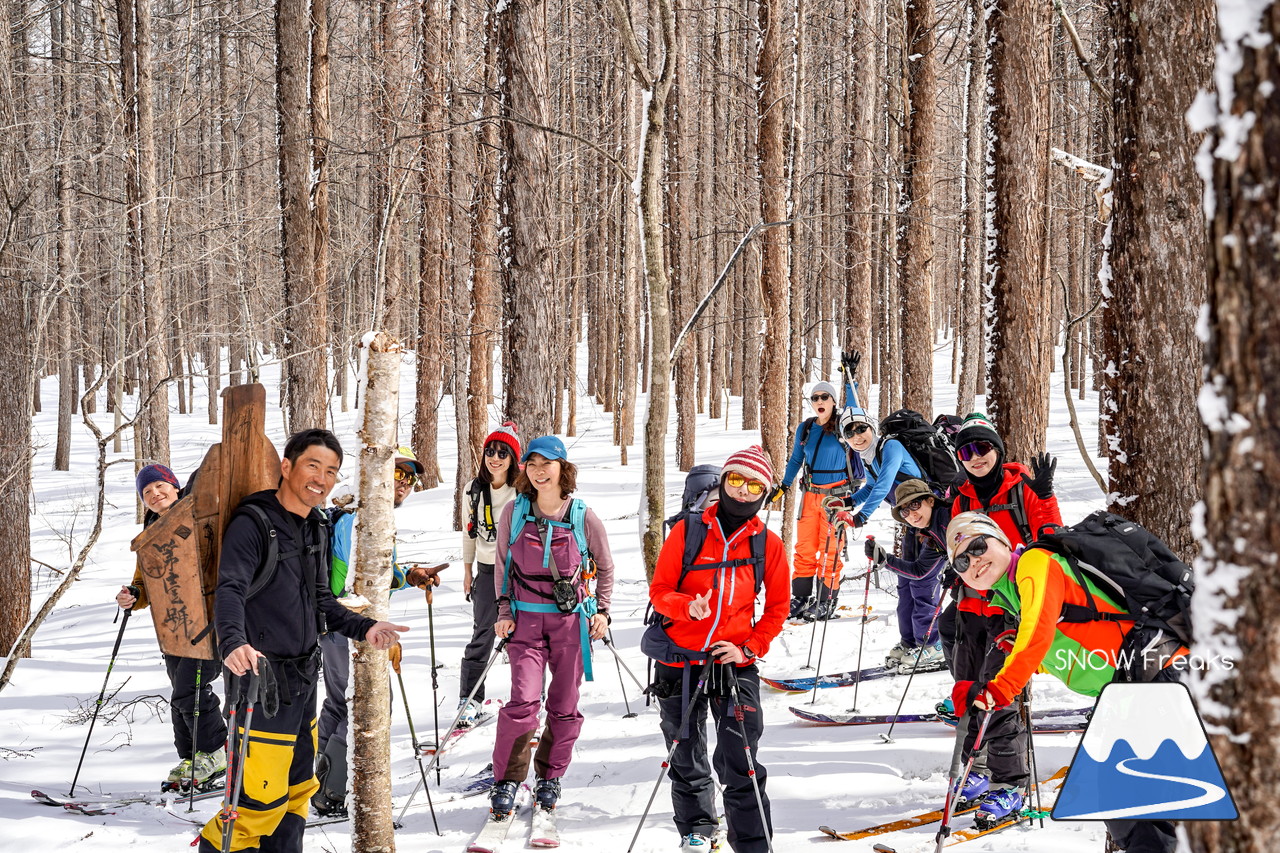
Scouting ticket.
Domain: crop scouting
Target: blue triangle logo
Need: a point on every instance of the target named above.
(1145, 756)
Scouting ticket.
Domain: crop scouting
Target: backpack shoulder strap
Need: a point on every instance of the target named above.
(1018, 509)
(266, 569)
(758, 542)
(695, 536)
(578, 522)
(519, 514)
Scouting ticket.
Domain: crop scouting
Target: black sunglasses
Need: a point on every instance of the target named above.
(913, 506)
(975, 449)
(499, 452)
(859, 429)
(977, 549)
(818, 398)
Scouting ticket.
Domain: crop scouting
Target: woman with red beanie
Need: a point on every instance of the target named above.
(487, 495)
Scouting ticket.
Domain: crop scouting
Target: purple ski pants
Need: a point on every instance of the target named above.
(540, 639)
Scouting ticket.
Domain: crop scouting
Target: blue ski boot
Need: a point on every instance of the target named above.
(1000, 805)
(502, 799)
(547, 793)
(975, 785)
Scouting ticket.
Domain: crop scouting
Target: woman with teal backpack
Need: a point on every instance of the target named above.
(549, 547)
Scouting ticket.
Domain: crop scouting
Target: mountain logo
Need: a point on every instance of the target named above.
(1145, 756)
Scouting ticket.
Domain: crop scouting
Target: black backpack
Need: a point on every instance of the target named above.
(699, 485)
(930, 446)
(1134, 567)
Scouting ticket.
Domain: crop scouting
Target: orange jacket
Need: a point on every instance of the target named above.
(1039, 511)
(733, 609)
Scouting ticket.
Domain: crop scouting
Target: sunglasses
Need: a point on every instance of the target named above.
(859, 429)
(818, 398)
(913, 506)
(402, 475)
(498, 452)
(977, 549)
(974, 450)
(736, 481)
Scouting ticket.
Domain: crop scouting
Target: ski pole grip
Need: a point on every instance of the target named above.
(255, 683)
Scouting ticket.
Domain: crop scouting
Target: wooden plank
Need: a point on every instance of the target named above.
(168, 554)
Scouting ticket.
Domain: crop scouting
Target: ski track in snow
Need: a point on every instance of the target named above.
(844, 777)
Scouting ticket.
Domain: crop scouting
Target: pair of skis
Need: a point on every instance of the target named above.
(1054, 721)
(543, 834)
(957, 836)
(841, 679)
(488, 711)
(110, 805)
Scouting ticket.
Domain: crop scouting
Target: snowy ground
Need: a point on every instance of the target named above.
(845, 777)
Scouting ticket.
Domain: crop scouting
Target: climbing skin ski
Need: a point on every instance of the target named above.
(839, 679)
(545, 833)
(108, 804)
(926, 818)
(489, 710)
(495, 830)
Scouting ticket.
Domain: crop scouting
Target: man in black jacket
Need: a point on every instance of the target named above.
(278, 626)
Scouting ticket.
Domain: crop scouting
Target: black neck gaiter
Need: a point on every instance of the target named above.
(733, 513)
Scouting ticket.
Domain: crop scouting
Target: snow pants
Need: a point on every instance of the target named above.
(692, 791)
(335, 653)
(208, 731)
(917, 598)
(817, 553)
(484, 612)
(279, 779)
(540, 640)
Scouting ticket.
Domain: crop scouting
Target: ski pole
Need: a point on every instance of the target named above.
(741, 717)
(497, 652)
(617, 660)
(195, 728)
(822, 645)
(675, 744)
(887, 737)
(230, 812)
(608, 641)
(953, 787)
(866, 595)
(435, 683)
(97, 707)
(1032, 781)
(821, 579)
(413, 735)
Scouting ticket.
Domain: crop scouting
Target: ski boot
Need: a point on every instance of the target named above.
(469, 713)
(179, 777)
(502, 799)
(897, 654)
(798, 607)
(547, 793)
(975, 785)
(700, 843)
(210, 768)
(1000, 805)
(930, 659)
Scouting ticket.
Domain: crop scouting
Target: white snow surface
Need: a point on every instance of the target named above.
(845, 777)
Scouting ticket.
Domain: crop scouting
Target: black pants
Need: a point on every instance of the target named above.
(692, 791)
(1133, 836)
(279, 777)
(484, 612)
(210, 730)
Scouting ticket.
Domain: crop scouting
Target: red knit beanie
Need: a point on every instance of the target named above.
(752, 463)
(506, 434)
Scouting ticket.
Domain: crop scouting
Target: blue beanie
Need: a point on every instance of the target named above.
(548, 447)
(152, 473)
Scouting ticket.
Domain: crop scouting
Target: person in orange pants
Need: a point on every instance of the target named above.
(822, 463)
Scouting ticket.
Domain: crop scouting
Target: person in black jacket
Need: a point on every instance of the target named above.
(279, 627)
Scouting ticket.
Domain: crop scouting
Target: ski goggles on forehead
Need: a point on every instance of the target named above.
(975, 449)
(735, 480)
(976, 549)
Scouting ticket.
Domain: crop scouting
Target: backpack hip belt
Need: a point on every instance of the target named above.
(840, 489)
(585, 610)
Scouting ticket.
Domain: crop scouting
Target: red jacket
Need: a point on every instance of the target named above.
(733, 610)
(1039, 511)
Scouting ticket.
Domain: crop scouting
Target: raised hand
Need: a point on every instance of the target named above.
(700, 607)
(1043, 467)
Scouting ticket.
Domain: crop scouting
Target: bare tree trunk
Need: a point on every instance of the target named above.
(528, 368)
(860, 200)
(375, 535)
(16, 380)
(1019, 155)
(1157, 251)
(1238, 591)
(972, 242)
(915, 290)
(133, 18)
(306, 305)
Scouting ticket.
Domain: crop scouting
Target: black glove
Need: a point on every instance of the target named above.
(1041, 480)
(776, 494)
(876, 554)
(860, 519)
(850, 362)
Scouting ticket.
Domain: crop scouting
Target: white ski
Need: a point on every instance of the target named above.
(494, 831)
(545, 833)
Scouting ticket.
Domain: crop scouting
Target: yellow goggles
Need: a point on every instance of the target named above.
(737, 481)
(401, 475)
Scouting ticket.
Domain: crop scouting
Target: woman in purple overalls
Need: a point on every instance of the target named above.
(548, 548)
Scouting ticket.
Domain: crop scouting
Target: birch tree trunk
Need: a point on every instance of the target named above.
(375, 534)
(1017, 138)
(1157, 262)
